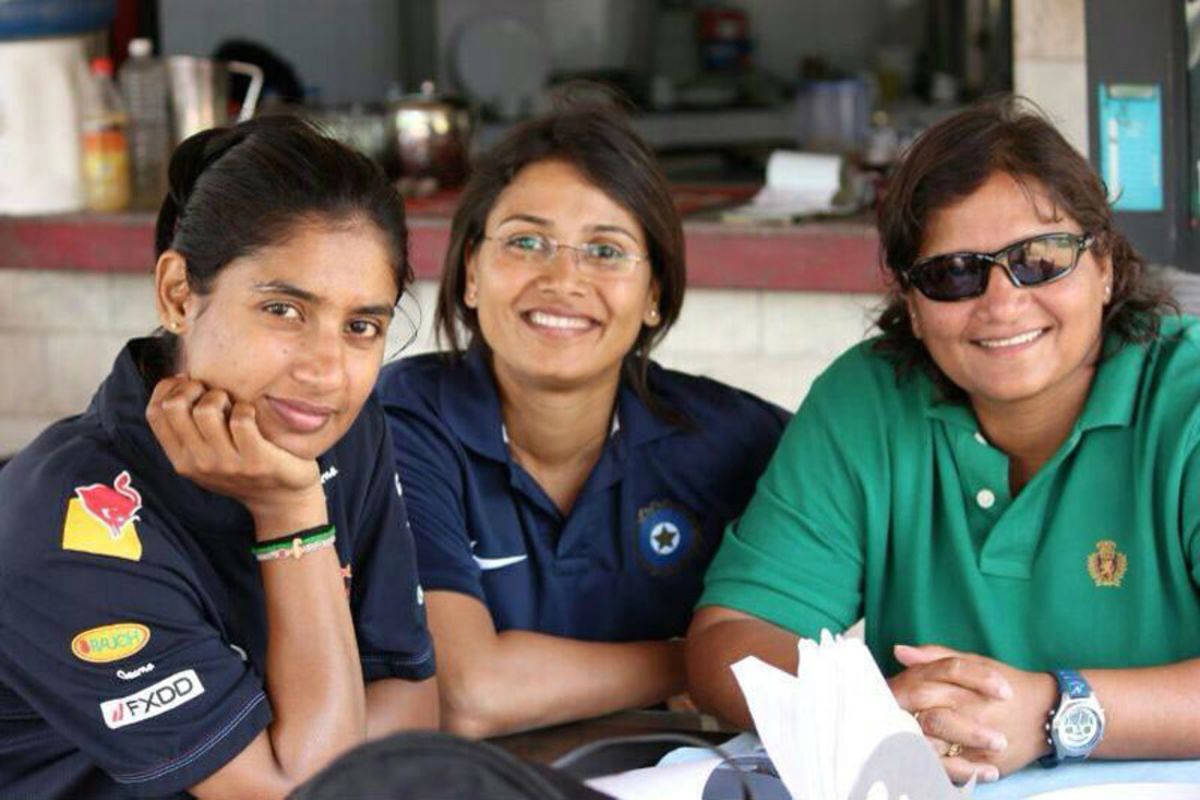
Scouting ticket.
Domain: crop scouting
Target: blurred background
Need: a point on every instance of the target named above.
(777, 121)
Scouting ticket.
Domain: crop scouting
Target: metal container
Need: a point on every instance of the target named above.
(199, 93)
(362, 126)
(433, 137)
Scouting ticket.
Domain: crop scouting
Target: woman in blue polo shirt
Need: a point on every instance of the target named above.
(565, 492)
(196, 572)
(1005, 483)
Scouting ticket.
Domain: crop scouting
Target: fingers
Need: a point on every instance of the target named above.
(908, 654)
(157, 420)
(190, 421)
(947, 725)
(965, 671)
(961, 769)
(211, 416)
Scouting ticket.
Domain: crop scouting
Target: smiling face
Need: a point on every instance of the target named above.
(1012, 344)
(550, 323)
(295, 329)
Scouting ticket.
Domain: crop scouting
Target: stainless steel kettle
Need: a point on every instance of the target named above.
(432, 137)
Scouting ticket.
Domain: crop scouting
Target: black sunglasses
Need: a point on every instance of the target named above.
(1030, 262)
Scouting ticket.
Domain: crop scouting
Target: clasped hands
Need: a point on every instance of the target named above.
(982, 717)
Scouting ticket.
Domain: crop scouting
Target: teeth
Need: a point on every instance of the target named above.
(1020, 338)
(555, 321)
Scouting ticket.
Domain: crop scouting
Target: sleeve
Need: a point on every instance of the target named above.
(387, 601)
(434, 490)
(1189, 495)
(796, 556)
(125, 659)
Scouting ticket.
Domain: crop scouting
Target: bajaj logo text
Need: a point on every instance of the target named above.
(110, 642)
(172, 692)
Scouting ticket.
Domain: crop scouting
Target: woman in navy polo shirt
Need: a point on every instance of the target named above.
(198, 573)
(565, 492)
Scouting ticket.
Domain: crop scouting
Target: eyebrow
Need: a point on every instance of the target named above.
(524, 218)
(291, 290)
(545, 223)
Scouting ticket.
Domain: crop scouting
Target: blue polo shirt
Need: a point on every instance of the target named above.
(132, 622)
(627, 563)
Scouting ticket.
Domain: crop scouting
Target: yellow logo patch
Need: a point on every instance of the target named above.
(86, 534)
(100, 519)
(110, 642)
(1107, 565)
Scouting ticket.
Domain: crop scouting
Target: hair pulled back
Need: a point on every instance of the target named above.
(236, 190)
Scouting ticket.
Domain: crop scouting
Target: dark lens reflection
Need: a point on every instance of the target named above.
(953, 277)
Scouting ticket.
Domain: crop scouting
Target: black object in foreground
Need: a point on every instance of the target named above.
(438, 766)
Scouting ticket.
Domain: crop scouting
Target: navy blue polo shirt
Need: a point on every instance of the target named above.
(627, 563)
(132, 622)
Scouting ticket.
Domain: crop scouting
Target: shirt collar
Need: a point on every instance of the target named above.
(1110, 402)
(472, 409)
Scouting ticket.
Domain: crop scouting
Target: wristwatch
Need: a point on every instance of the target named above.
(1076, 725)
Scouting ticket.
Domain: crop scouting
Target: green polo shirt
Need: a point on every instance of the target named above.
(883, 502)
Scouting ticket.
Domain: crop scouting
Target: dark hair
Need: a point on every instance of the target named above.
(236, 190)
(595, 137)
(952, 160)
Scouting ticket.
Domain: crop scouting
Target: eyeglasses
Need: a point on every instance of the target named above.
(1031, 262)
(601, 259)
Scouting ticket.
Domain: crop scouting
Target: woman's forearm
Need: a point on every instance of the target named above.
(313, 678)
(528, 680)
(1152, 712)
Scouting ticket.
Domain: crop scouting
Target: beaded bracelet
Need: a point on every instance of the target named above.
(297, 544)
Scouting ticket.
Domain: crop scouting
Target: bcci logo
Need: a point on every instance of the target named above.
(667, 536)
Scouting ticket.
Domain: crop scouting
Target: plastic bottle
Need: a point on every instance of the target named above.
(144, 87)
(105, 145)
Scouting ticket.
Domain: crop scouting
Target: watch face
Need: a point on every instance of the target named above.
(1078, 728)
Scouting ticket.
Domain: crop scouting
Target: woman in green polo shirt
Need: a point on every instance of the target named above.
(1005, 483)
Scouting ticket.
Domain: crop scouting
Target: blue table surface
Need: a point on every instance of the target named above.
(1035, 780)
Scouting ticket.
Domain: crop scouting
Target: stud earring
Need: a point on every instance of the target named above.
(470, 298)
(653, 315)
(1108, 293)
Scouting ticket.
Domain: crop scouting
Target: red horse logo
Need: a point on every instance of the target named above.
(113, 505)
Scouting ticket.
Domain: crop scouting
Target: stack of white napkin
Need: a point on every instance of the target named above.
(835, 732)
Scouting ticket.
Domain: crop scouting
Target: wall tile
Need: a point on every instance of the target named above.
(50, 301)
(18, 431)
(815, 324)
(717, 321)
(24, 377)
(131, 308)
(1060, 88)
(77, 364)
(1052, 29)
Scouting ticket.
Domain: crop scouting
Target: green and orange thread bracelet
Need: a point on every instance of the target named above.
(297, 544)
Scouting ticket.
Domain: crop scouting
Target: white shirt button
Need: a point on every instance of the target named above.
(986, 498)
(979, 438)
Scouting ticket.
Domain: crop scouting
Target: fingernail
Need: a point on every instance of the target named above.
(998, 744)
(989, 775)
(1004, 692)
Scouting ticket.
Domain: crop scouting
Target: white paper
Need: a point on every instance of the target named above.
(834, 730)
(815, 174)
(798, 184)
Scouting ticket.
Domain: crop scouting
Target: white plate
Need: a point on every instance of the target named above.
(1125, 791)
(500, 60)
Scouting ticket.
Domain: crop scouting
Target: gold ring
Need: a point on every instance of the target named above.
(954, 750)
